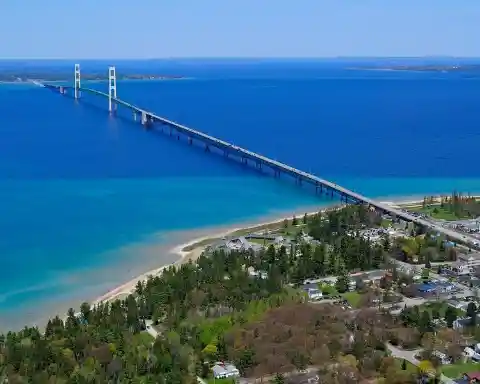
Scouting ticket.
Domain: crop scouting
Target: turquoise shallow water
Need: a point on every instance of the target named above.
(88, 201)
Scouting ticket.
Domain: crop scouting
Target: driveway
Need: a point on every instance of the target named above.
(410, 357)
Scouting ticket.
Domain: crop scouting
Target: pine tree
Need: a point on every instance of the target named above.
(450, 316)
(343, 281)
(294, 221)
(278, 379)
(305, 219)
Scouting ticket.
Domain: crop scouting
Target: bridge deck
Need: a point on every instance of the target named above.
(287, 169)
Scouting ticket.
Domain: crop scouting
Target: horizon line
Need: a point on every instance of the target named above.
(236, 58)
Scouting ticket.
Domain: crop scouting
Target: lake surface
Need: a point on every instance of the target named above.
(88, 201)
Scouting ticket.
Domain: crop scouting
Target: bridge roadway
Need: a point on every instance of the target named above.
(276, 165)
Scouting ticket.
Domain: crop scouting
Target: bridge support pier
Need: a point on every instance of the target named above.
(259, 165)
(276, 173)
(244, 160)
(207, 148)
(134, 116)
(190, 141)
(146, 120)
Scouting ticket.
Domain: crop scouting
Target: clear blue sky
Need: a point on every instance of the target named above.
(238, 28)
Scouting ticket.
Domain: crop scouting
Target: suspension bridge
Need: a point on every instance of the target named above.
(149, 119)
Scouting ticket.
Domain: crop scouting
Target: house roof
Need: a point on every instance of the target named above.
(226, 368)
(473, 375)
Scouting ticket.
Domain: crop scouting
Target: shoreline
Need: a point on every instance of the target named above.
(192, 249)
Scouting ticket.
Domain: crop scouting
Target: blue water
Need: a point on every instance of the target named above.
(77, 186)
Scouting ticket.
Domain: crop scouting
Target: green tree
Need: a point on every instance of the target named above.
(294, 221)
(305, 218)
(425, 322)
(342, 282)
(472, 313)
(450, 316)
(278, 379)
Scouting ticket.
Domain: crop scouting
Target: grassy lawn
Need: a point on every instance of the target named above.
(386, 223)
(455, 371)
(266, 243)
(353, 298)
(410, 367)
(437, 212)
(440, 306)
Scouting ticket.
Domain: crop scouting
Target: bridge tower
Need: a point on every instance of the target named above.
(112, 90)
(77, 81)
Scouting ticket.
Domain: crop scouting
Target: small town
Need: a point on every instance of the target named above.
(428, 286)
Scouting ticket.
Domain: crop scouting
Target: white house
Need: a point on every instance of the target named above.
(442, 357)
(224, 370)
(462, 269)
(312, 291)
(470, 258)
(470, 353)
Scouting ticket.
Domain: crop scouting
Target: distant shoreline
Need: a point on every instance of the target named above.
(421, 68)
(29, 80)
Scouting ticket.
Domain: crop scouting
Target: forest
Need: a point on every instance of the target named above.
(214, 309)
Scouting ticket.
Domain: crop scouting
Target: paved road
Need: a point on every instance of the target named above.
(410, 357)
(309, 372)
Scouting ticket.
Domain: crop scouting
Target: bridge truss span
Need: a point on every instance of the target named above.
(149, 119)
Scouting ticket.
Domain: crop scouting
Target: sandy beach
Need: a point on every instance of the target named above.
(192, 249)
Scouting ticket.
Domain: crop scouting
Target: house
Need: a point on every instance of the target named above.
(457, 304)
(464, 322)
(225, 370)
(261, 274)
(313, 292)
(471, 354)
(352, 285)
(444, 359)
(462, 268)
(242, 244)
(426, 288)
(470, 258)
(472, 377)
